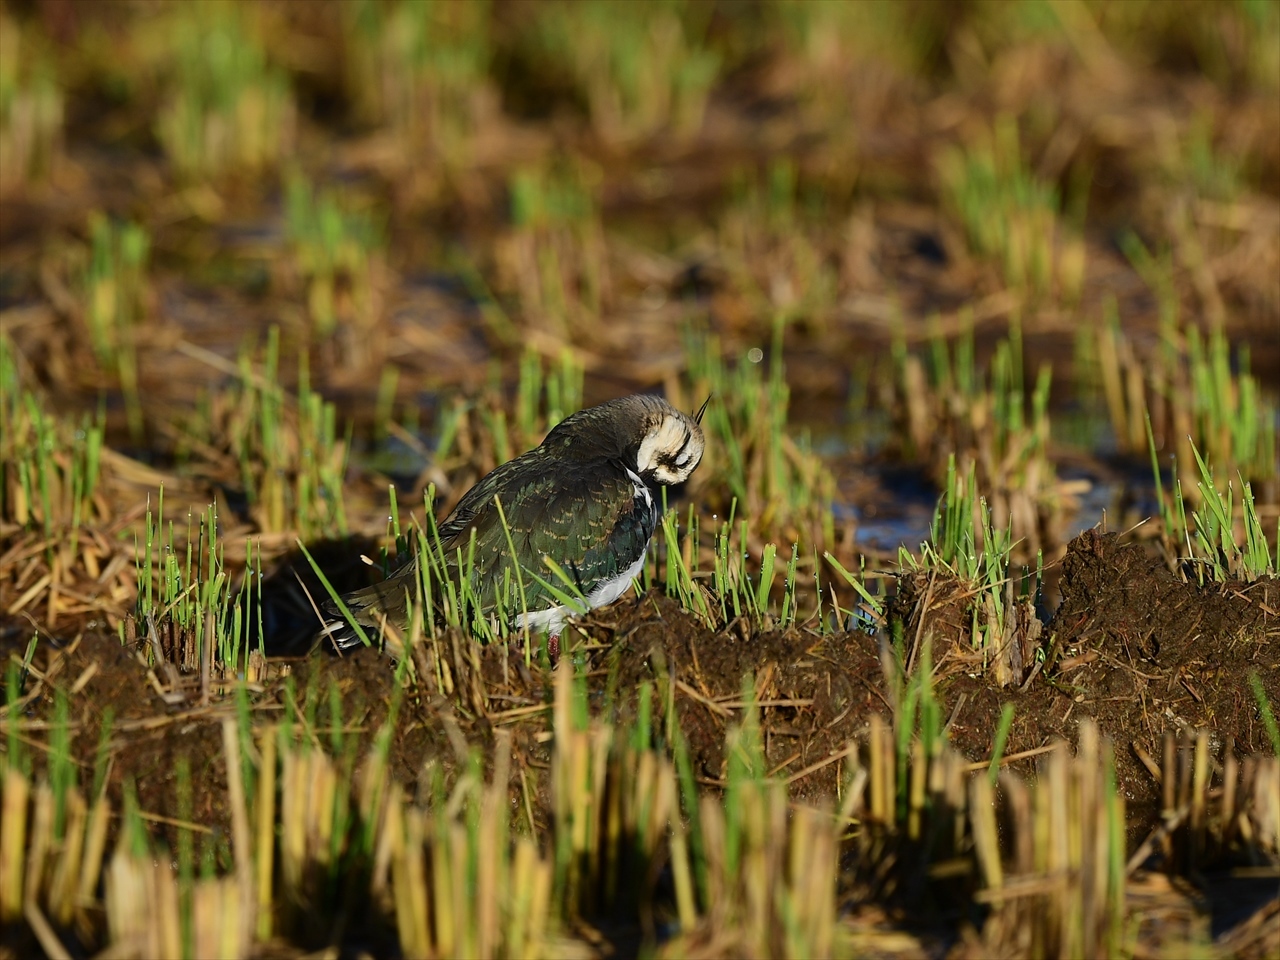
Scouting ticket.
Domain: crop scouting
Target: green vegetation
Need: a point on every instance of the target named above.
(975, 557)
(640, 70)
(1219, 542)
(420, 70)
(1198, 391)
(335, 258)
(49, 466)
(777, 244)
(553, 262)
(736, 588)
(115, 291)
(962, 419)
(31, 106)
(1010, 215)
(775, 478)
(228, 107)
(283, 445)
(191, 612)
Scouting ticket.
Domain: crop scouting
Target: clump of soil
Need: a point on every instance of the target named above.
(814, 693)
(1140, 650)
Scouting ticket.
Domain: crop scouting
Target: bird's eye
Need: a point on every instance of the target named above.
(672, 467)
(682, 453)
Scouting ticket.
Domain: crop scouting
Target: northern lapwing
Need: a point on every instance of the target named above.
(588, 498)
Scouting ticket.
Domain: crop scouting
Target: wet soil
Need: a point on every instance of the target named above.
(1134, 646)
(1141, 650)
(813, 692)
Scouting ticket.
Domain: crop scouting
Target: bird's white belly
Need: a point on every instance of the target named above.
(606, 591)
(610, 590)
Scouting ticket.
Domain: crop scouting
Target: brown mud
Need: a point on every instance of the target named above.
(1133, 646)
(1142, 651)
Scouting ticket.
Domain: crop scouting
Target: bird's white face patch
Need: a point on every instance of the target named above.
(671, 450)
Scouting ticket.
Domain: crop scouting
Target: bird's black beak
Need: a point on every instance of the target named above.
(697, 417)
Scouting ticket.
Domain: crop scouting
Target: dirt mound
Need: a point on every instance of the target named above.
(814, 692)
(1128, 625)
(1142, 651)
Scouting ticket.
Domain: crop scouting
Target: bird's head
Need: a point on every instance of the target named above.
(661, 444)
(671, 445)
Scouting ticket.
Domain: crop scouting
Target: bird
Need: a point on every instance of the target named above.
(585, 501)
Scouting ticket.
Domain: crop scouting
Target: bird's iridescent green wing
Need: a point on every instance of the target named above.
(592, 521)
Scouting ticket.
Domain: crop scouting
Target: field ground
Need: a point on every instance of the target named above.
(963, 640)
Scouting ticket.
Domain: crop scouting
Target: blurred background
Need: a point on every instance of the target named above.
(893, 238)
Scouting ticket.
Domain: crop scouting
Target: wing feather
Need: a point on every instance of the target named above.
(593, 523)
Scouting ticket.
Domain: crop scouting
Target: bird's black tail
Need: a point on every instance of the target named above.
(368, 611)
(340, 630)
